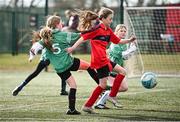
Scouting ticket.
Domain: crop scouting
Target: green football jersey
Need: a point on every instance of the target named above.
(115, 53)
(60, 59)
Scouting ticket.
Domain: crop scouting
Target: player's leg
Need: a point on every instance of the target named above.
(102, 101)
(63, 88)
(66, 76)
(86, 66)
(92, 72)
(117, 83)
(124, 85)
(42, 64)
(103, 73)
(94, 96)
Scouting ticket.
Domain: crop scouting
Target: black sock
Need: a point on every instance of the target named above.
(93, 74)
(63, 85)
(23, 84)
(72, 99)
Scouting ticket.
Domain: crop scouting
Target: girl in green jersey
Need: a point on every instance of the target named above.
(43, 63)
(55, 42)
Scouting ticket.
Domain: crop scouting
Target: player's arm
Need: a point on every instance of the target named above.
(36, 47)
(74, 37)
(129, 52)
(78, 42)
(117, 40)
(125, 41)
(84, 36)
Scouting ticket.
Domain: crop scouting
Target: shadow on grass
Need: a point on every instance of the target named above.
(131, 117)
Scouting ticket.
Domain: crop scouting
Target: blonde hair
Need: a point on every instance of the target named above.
(85, 18)
(35, 36)
(118, 27)
(52, 21)
(46, 35)
(104, 13)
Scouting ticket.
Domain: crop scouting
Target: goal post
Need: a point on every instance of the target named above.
(158, 40)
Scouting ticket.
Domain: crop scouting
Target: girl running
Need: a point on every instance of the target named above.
(116, 54)
(55, 43)
(43, 63)
(100, 37)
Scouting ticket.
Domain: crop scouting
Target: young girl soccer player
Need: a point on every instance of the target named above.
(55, 42)
(44, 62)
(116, 52)
(100, 37)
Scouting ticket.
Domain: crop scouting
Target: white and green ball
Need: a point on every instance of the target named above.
(149, 80)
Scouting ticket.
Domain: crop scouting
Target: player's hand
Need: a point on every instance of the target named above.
(30, 60)
(132, 38)
(69, 50)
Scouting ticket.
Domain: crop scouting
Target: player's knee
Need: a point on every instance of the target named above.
(123, 72)
(103, 85)
(123, 89)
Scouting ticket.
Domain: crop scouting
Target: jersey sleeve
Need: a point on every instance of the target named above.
(113, 38)
(89, 34)
(36, 47)
(116, 49)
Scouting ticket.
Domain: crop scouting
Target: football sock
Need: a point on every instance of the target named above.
(92, 99)
(22, 84)
(93, 74)
(116, 85)
(63, 85)
(72, 99)
(103, 98)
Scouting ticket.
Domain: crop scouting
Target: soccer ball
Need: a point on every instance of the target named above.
(148, 80)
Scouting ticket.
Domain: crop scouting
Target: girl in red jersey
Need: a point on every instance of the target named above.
(100, 36)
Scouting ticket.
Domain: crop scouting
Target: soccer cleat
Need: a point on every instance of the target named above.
(16, 91)
(74, 112)
(116, 105)
(88, 110)
(101, 106)
(64, 93)
(114, 102)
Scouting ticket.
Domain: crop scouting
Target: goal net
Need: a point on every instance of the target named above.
(158, 40)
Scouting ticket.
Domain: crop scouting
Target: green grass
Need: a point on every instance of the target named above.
(40, 99)
(20, 62)
(157, 63)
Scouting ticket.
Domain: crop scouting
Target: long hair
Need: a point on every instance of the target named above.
(52, 21)
(46, 35)
(35, 36)
(104, 13)
(85, 18)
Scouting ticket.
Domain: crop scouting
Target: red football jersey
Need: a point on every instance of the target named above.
(100, 37)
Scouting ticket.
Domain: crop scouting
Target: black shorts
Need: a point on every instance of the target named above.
(104, 71)
(66, 74)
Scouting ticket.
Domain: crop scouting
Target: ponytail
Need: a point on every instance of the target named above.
(46, 35)
(86, 18)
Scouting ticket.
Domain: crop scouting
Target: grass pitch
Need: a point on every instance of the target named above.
(40, 100)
